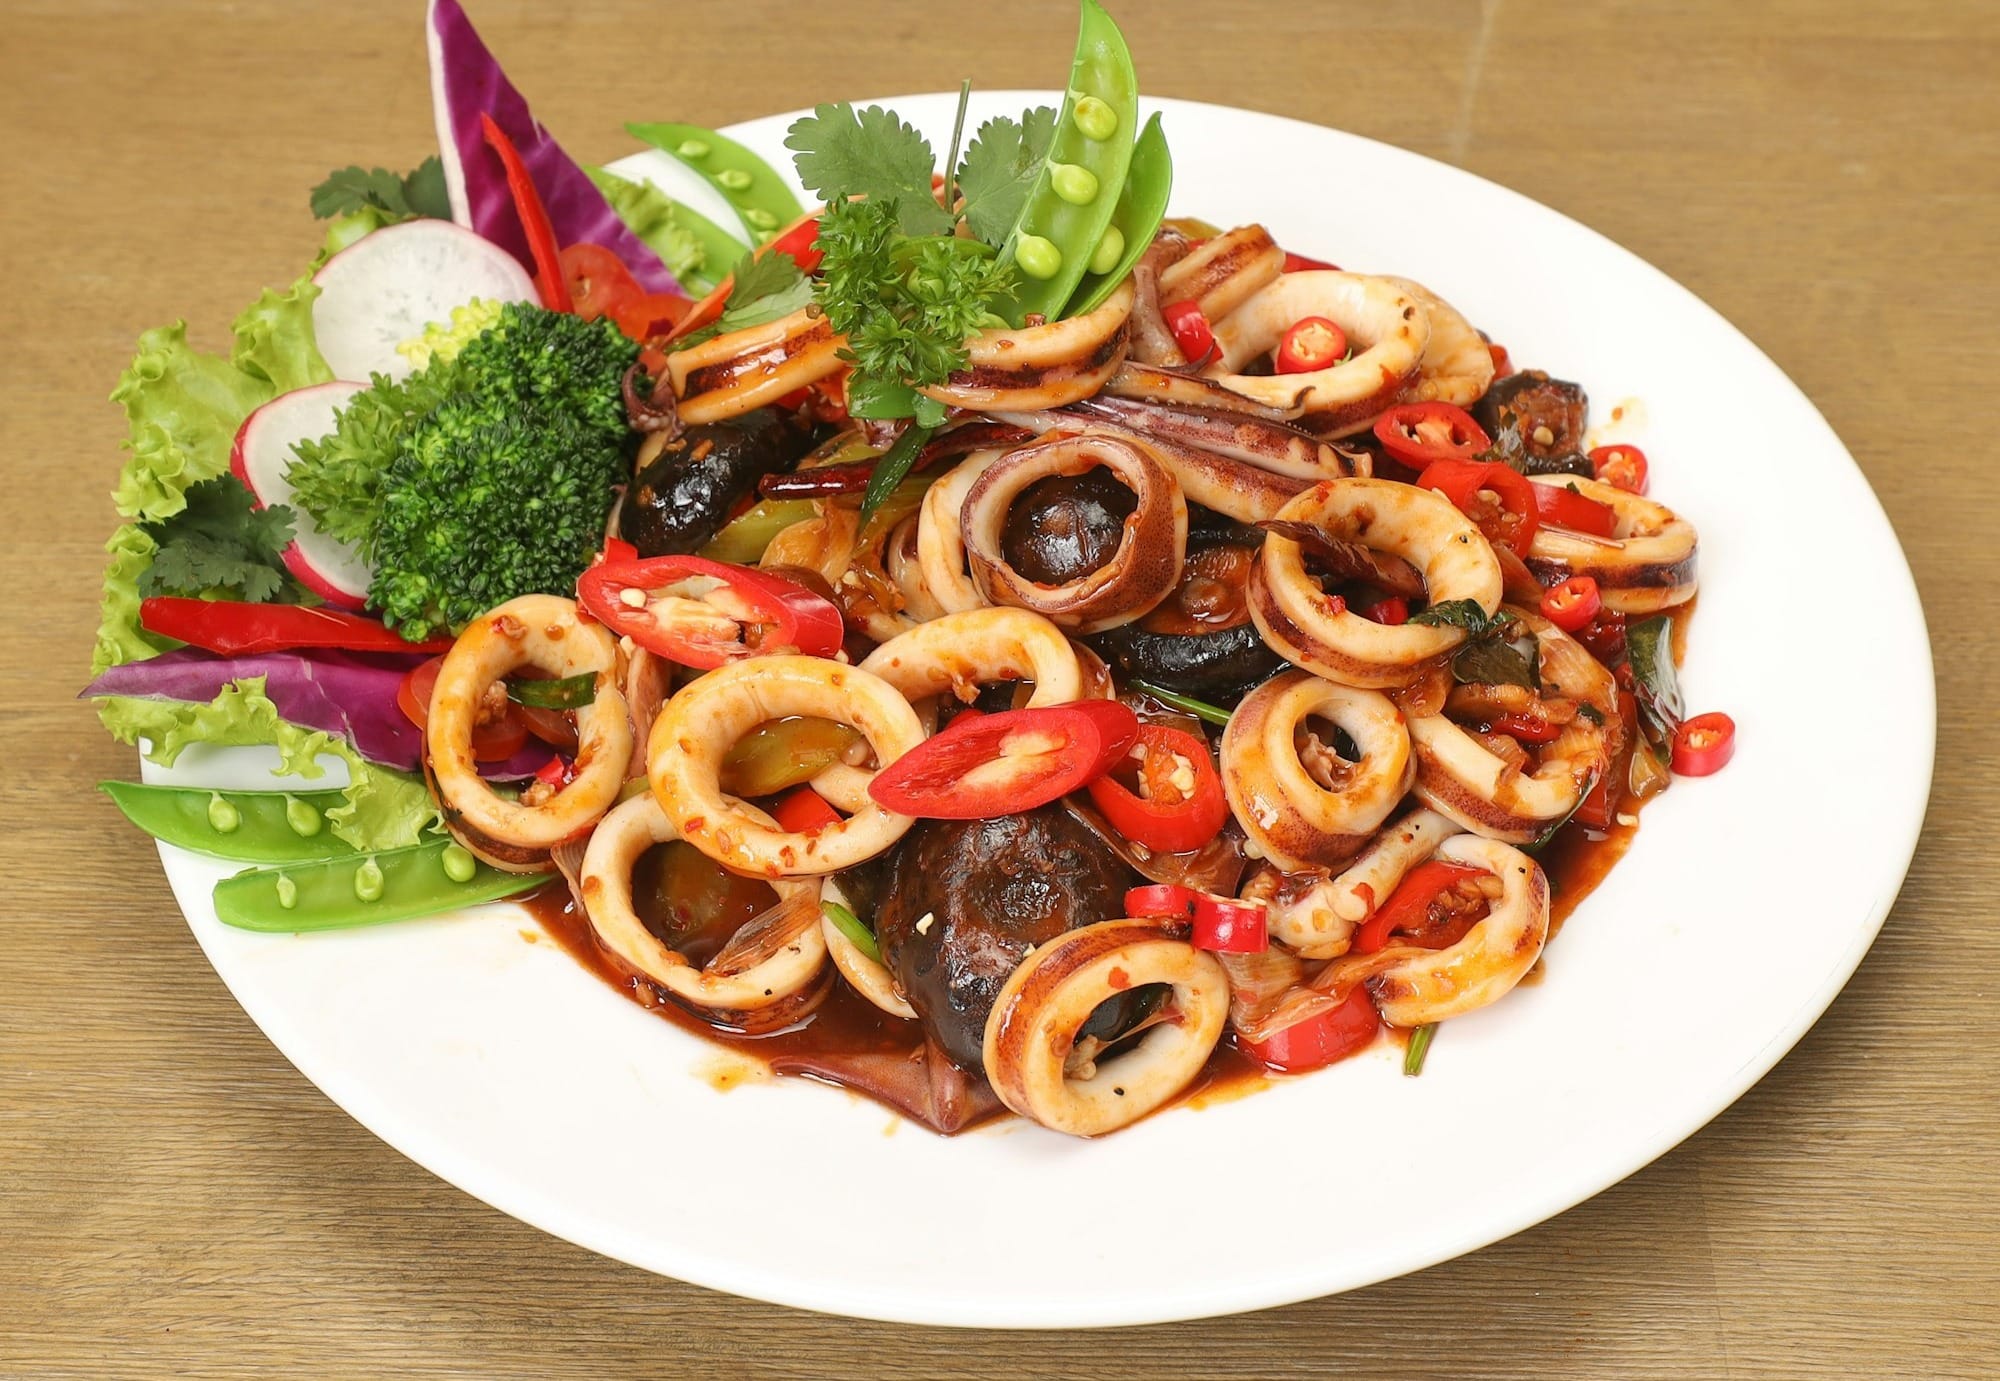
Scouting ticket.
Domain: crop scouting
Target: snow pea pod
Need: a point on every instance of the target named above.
(363, 889)
(247, 826)
(1141, 206)
(1083, 176)
(761, 199)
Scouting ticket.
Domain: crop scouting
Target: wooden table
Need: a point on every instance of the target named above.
(174, 1198)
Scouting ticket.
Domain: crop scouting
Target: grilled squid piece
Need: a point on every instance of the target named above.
(1319, 923)
(733, 373)
(900, 558)
(541, 631)
(649, 679)
(1424, 986)
(940, 537)
(1147, 383)
(1248, 493)
(1460, 777)
(1646, 565)
(1302, 624)
(957, 654)
(706, 718)
(1039, 366)
(864, 973)
(1457, 364)
(1390, 329)
(1225, 271)
(1141, 572)
(1275, 446)
(1302, 804)
(1031, 1049)
(765, 978)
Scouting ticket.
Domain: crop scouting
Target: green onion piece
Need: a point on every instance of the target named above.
(1420, 1046)
(1200, 709)
(892, 467)
(849, 924)
(563, 693)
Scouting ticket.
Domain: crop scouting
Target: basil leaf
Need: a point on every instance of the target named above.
(1455, 613)
(1493, 662)
(1655, 683)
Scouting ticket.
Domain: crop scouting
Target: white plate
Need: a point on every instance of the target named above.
(1747, 901)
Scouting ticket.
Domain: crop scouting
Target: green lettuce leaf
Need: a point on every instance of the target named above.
(183, 408)
(385, 809)
(274, 339)
(694, 248)
(120, 639)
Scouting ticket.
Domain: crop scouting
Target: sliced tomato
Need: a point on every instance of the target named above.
(1410, 903)
(1510, 518)
(1179, 805)
(1502, 364)
(1000, 764)
(652, 316)
(1321, 1039)
(599, 283)
(703, 613)
(1421, 434)
(1560, 506)
(494, 741)
(1623, 466)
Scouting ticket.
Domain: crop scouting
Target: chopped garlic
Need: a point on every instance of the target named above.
(925, 921)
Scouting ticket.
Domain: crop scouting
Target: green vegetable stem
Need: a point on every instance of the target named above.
(761, 199)
(1064, 224)
(363, 889)
(248, 826)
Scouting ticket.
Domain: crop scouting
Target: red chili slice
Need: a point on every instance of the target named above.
(1299, 263)
(1558, 506)
(1571, 605)
(1163, 900)
(803, 811)
(1393, 610)
(1502, 364)
(1421, 434)
(535, 226)
(1623, 466)
(1191, 330)
(797, 240)
(1704, 744)
(1310, 343)
(1169, 813)
(1000, 764)
(1510, 523)
(1526, 728)
(1223, 925)
(1409, 903)
(703, 613)
(1321, 1039)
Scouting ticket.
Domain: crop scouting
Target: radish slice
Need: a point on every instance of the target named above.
(262, 454)
(387, 286)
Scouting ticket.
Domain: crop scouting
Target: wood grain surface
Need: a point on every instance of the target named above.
(175, 1199)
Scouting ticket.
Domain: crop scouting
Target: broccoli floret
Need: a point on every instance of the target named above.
(480, 477)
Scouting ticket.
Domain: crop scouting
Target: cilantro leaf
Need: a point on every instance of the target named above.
(1000, 169)
(762, 290)
(221, 546)
(841, 152)
(420, 192)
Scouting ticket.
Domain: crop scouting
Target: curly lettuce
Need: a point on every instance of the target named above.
(694, 248)
(120, 639)
(274, 339)
(384, 809)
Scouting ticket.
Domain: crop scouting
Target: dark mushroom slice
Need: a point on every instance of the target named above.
(688, 486)
(1200, 641)
(1547, 413)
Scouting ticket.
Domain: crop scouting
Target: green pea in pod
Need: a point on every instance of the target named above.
(364, 889)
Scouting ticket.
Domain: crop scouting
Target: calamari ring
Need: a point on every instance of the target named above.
(1297, 822)
(541, 631)
(1042, 366)
(1298, 620)
(735, 373)
(706, 718)
(1646, 565)
(1047, 999)
(864, 973)
(1224, 271)
(940, 539)
(1461, 778)
(1142, 571)
(1320, 923)
(1388, 326)
(771, 993)
(1457, 364)
(1423, 986)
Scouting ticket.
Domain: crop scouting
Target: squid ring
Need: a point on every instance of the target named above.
(1045, 1002)
(776, 989)
(940, 541)
(864, 973)
(1647, 565)
(1320, 924)
(1431, 985)
(1389, 326)
(1042, 366)
(1224, 271)
(1457, 365)
(1141, 572)
(705, 719)
(1298, 822)
(1308, 629)
(734, 373)
(544, 632)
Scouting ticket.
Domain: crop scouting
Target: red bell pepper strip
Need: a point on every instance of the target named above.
(1622, 466)
(1000, 764)
(534, 219)
(1513, 523)
(1191, 330)
(803, 811)
(1420, 434)
(703, 613)
(1167, 813)
(1571, 605)
(242, 630)
(1309, 344)
(1409, 903)
(1558, 506)
(1320, 1039)
(1704, 744)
